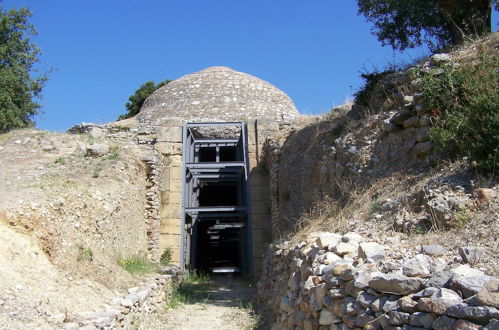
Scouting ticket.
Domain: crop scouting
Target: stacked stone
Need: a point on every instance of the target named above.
(412, 112)
(97, 131)
(130, 311)
(217, 94)
(152, 215)
(338, 282)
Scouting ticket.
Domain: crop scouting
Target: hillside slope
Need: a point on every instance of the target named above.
(65, 218)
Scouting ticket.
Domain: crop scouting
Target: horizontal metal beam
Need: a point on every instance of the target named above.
(217, 176)
(210, 165)
(215, 209)
(235, 123)
(206, 140)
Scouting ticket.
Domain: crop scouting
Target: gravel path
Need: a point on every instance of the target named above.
(224, 304)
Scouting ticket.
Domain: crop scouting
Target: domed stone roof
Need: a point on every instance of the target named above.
(217, 94)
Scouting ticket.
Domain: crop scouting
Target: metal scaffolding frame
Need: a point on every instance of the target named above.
(234, 172)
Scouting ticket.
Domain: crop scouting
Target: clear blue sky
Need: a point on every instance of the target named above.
(105, 49)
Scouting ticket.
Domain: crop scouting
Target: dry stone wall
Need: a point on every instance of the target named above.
(131, 311)
(333, 281)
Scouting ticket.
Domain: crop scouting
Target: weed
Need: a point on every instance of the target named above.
(195, 288)
(166, 256)
(60, 160)
(120, 128)
(464, 98)
(96, 172)
(364, 96)
(137, 264)
(85, 254)
(113, 153)
(375, 206)
(460, 219)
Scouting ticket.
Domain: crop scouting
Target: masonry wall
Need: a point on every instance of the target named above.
(169, 148)
(259, 131)
(169, 145)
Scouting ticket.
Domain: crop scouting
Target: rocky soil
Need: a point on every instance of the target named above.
(66, 215)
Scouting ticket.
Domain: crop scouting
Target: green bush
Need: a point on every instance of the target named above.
(166, 256)
(464, 99)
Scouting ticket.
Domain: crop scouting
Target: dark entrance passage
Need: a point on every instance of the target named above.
(216, 221)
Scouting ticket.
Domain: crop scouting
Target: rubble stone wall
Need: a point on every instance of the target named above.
(334, 281)
(132, 311)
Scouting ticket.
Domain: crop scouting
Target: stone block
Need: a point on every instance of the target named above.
(257, 266)
(258, 178)
(171, 123)
(259, 250)
(173, 161)
(262, 236)
(175, 185)
(170, 226)
(260, 193)
(164, 179)
(175, 173)
(169, 134)
(262, 221)
(169, 148)
(171, 211)
(261, 208)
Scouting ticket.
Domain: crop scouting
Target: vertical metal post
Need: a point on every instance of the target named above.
(185, 151)
(249, 217)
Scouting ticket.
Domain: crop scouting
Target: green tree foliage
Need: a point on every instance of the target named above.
(137, 99)
(20, 83)
(436, 23)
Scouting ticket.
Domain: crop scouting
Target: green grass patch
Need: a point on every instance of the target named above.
(195, 288)
(138, 264)
(85, 254)
(96, 172)
(114, 153)
(60, 160)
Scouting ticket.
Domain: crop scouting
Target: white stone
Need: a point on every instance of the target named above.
(352, 237)
(466, 271)
(331, 258)
(327, 239)
(343, 248)
(372, 250)
(97, 150)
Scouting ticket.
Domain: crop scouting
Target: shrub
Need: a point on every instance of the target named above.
(464, 100)
(364, 96)
(166, 256)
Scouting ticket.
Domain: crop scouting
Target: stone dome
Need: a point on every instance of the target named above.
(217, 94)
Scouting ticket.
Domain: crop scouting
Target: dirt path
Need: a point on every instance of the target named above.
(226, 303)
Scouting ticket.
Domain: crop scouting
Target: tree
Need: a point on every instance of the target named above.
(436, 23)
(138, 98)
(20, 83)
